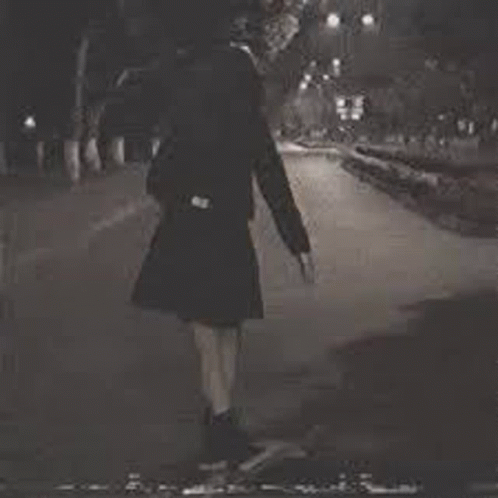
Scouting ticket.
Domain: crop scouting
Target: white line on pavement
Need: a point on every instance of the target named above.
(117, 217)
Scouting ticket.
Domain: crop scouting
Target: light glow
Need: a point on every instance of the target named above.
(358, 101)
(30, 122)
(368, 20)
(333, 20)
(341, 102)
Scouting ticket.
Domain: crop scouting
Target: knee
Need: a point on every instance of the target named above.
(204, 336)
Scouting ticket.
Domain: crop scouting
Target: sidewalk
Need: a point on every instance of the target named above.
(108, 385)
(48, 216)
(455, 195)
(22, 187)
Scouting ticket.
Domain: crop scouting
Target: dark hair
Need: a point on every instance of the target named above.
(193, 22)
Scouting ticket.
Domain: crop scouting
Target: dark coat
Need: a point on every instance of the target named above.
(201, 264)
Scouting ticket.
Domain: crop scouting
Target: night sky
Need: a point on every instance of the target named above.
(45, 35)
(468, 19)
(39, 31)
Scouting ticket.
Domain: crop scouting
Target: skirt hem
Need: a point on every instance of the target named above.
(214, 322)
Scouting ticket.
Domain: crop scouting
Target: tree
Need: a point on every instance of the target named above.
(48, 39)
(285, 36)
(284, 69)
(281, 34)
(464, 32)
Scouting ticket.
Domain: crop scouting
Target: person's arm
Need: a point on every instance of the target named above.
(159, 182)
(275, 188)
(269, 168)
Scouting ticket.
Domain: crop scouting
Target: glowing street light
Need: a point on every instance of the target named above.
(30, 123)
(333, 20)
(336, 63)
(359, 100)
(368, 20)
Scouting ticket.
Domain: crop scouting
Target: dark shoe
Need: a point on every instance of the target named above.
(213, 456)
(230, 442)
(206, 431)
(209, 456)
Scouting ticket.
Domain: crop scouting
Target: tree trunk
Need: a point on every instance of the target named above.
(155, 143)
(40, 156)
(92, 155)
(117, 151)
(72, 145)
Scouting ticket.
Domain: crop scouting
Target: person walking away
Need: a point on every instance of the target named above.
(201, 264)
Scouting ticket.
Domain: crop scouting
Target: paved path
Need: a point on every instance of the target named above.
(106, 389)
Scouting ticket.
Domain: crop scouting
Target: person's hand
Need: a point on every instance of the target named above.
(307, 267)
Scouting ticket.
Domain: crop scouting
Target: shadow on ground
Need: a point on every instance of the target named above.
(429, 394)
(426, 395)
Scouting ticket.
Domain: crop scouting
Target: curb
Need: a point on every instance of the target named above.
(400, 174)
(291, 148)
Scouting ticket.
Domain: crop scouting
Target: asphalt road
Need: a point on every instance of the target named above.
(105, 389)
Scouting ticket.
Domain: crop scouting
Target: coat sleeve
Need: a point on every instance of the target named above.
(159, 182)
(271, 176)
(274, 185)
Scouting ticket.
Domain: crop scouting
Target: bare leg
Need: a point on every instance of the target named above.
(215, 387)
(219, 349)
(230, 339)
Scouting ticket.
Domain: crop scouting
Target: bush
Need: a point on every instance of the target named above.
(469, 203)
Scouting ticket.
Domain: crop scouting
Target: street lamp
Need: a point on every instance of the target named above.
(333, 20)
(336, 64)
(30, 123)
(368, 20)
